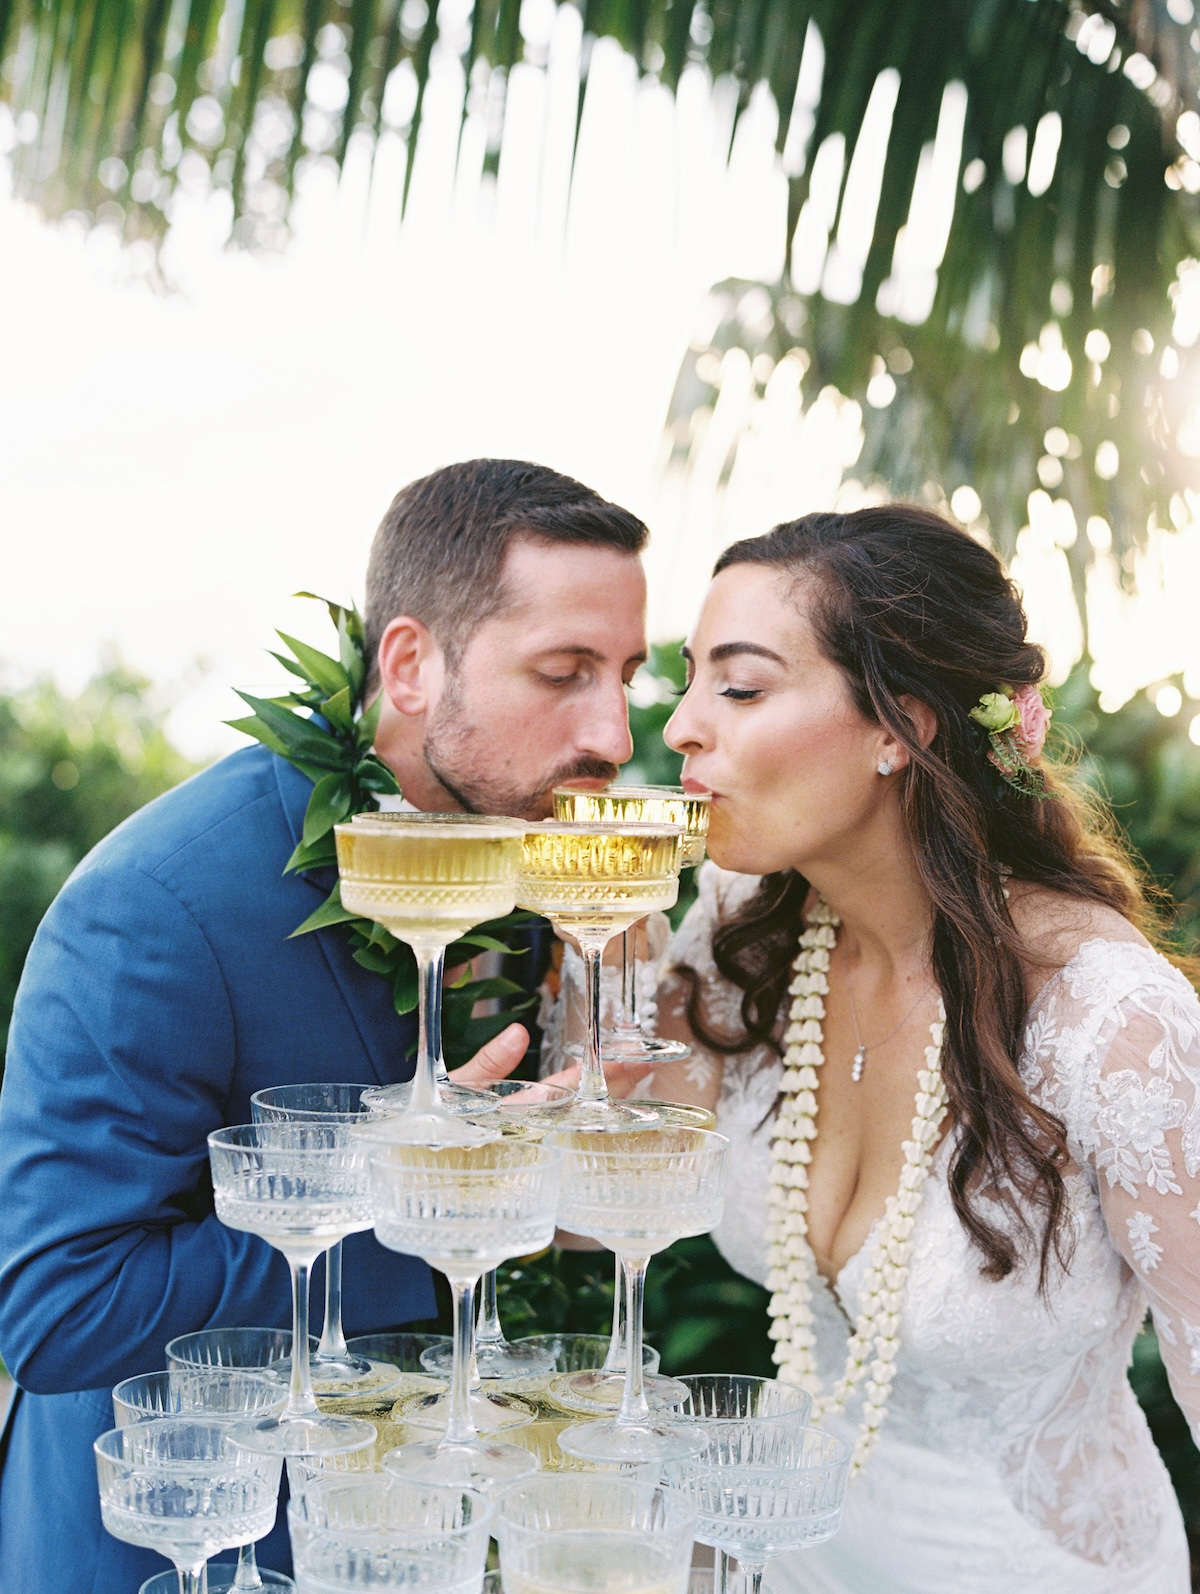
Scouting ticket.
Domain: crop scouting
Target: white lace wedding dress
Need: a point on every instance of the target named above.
(1014, 1458)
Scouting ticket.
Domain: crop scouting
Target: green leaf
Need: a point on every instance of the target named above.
(330, 912)
(374, 959)
(328, 805)
(288, 664)
(253, 726)
(339, 711)
(300, 737)
(319, 668)
(350, 653)
(478, 942)
(483, 990)
(406, 985)
(320, 855)
(368, 723)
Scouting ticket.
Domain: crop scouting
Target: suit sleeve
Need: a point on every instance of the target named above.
(121, 1057)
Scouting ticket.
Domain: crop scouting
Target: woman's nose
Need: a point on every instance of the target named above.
(682, 732)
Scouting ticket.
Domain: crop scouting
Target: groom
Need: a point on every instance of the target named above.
(504, 619)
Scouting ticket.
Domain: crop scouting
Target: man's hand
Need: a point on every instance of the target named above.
(496, 1060)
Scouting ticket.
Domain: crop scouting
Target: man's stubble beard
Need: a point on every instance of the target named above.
(456, 752)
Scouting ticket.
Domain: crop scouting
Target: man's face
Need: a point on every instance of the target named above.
(537, 698)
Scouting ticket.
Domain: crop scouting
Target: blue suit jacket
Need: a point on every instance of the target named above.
(160, 992)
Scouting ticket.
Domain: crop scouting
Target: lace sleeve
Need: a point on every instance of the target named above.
(1132, 1103)
(719, 894)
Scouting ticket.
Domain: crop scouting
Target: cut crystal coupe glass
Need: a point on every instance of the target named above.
(627, 1041)
(584, 1533)
(637, 1193)
(592, 881)
(334, 1370)
(379, 1532)
(762, 1488)
(300, 1186)
(179, 1485)
(463, 1209)
(525, 1109)
(427, 879)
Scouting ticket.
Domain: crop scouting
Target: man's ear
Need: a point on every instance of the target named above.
(410, 665)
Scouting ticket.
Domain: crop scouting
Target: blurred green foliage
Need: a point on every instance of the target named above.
(71, 768)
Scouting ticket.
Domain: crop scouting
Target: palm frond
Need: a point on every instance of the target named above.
(975, 244)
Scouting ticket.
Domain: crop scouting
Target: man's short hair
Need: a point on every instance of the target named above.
(439, 549)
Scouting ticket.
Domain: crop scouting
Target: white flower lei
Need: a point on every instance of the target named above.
(871, 1354)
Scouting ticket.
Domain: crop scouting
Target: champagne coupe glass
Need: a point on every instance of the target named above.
(269, 1349)
(525, 1109)
(300, 1186)
(602, 1389)
(179, 1485)
(428, 879)
(592, 881)
(378, 1532)
(463, 1209)
(221, 1577)
(628, 1042)
(583, 1533)
(216, 1392)
(335, 1371)
(763, 1488)
(638, 1193)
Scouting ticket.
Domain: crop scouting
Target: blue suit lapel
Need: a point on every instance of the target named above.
(294, 792)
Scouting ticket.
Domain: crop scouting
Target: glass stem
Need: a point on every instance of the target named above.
(301, 1400)
(592, 1085)
(634, 1405)
(193, 1579)
(247, 1578)
(460, 1430)
(430, 963)
(333, 1341)
(721, 1573)
(614, 1362)
(752, 1576)
(488, 1330)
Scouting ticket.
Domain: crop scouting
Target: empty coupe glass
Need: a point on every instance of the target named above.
(463, 1209)
(179, 1485)
(334, 1370)
(300, 1186)
(637, 1193)
(380, 1532)
(761, 1489)
(267, 1348)
(583, 1533)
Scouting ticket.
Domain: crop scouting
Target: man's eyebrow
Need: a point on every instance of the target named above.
(581, 652)
(731, 650)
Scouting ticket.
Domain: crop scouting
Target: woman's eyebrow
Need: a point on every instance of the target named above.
(730, 650)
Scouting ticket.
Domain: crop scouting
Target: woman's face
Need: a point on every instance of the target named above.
(770, 727)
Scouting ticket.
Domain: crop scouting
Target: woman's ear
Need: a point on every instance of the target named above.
(925, 727)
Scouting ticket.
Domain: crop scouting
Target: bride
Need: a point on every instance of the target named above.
(962, 1086)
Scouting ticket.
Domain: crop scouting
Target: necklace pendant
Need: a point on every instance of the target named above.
(856, 1068)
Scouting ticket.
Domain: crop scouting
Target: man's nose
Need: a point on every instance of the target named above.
(606, 732)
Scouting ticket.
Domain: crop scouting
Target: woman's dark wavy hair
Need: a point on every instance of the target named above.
(906, 604)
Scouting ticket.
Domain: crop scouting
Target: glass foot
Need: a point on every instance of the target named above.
(634, 1047)
(488, 1412)
(303, 1436)
(220, 1579)
(613, 1442)
(502, 1360)
(457, 1099)
(483, 1464)
(352, 1375)
(600, 1391)
(608, 1115)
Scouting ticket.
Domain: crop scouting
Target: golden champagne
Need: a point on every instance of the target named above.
(655, 805)
(594, 1560)
(429, 877)
(594, 880)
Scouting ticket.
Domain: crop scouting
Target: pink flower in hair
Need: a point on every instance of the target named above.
(1033, 718)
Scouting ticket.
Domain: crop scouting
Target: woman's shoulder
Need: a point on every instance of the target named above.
(1059, 930)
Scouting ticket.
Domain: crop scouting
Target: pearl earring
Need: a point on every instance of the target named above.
(885, 766)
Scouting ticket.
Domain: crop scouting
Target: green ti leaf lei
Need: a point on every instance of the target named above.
(347, 778)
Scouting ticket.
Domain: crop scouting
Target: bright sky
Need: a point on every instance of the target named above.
(173, 465)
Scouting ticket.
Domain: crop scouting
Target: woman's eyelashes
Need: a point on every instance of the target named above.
(740, 694)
